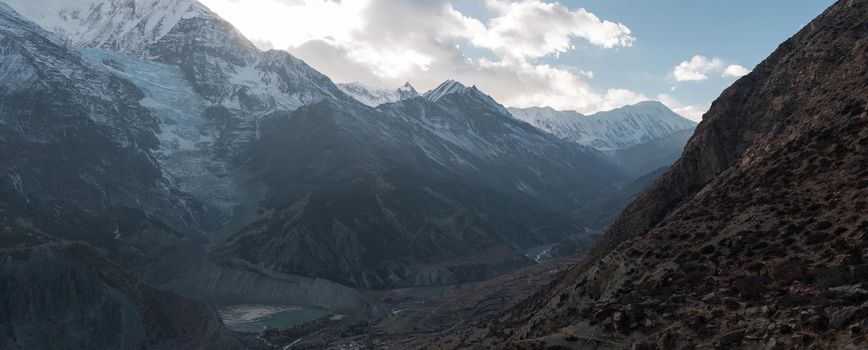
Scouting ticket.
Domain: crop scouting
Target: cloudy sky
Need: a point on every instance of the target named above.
(583, 55)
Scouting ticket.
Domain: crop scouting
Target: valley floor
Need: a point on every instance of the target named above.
(418, 316)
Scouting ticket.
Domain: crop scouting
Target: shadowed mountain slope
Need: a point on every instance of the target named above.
(418, 192)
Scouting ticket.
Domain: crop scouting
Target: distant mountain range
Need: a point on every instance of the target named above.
(638, 138)
(374, 97)
(617, 129)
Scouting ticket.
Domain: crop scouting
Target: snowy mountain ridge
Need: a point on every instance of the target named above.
(617, 129)
(451, 88)
(374, 96)
(448, 87)
(127, 26)
(31, 58)
(222, 64)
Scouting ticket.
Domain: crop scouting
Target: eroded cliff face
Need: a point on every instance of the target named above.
(757, 237)
(63, 295)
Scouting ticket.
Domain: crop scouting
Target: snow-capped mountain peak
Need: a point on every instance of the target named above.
(222, 65)
(127, 26)
(407, 91)
(14, 22)
(5, 8)
(407, 88)
(374, 96)
(447, 88)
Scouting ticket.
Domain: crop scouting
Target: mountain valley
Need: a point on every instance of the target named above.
(167, 184)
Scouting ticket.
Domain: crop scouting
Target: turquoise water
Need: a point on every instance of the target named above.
(241, 317)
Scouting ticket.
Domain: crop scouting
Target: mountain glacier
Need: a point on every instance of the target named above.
(187, 153)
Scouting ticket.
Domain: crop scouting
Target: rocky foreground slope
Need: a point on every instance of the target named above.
(756, 238)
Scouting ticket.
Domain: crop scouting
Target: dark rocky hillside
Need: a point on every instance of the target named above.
(756, 238)
(63, 295)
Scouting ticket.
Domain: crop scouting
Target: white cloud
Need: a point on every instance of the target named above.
(532, 29)
(735, 71)
(697, 68)
(621, 97)
(691, 112)
(387, 42)
(289, 23)
(526, 85)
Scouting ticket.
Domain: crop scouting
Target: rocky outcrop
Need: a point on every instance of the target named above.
(60, 295)
(756, 238)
